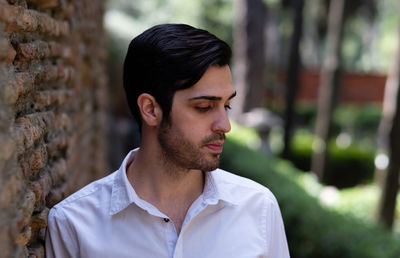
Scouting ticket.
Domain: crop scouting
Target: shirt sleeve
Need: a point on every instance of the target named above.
(276, 246)
(60, 242)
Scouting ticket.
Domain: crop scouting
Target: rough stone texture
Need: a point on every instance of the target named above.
(52, 112)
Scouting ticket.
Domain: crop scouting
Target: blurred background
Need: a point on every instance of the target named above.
(317, 115)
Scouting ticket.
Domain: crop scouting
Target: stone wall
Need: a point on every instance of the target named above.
(52, 112)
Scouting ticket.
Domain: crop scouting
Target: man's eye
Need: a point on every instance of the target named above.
(227, 107)
(203, 109)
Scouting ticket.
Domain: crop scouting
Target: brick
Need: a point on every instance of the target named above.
(39, 222)
(41, 187)
(40, 49)
(42, 119)
(7, 147)
(21, 84)
(4, 241)
(53, 73)
(102, 98)
(36, 251)
(31, 128)
(34, 50)
(26, 171)
(7, 51)
(65, 11)
(53, 97)
(27, 207)
(10, 189)
(58, 171)
(23, 238)
(38, 159)
(63, 122)
(27, 136)
(45, 3)
(18, 18)
(45, 99)
(24, 83)
(19, 136)
(14, 223)
(50, 26)
(33, 161)
(57, 144)
(37, 188)
(10, 94)
(55, 196)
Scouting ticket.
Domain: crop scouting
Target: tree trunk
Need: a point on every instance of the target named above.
(249, 54)
(292, 81)
(389, 140)
(328, 88)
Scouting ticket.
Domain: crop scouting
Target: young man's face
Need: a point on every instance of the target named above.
(194, 135)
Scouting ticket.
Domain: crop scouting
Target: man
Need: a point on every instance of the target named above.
(168, 199)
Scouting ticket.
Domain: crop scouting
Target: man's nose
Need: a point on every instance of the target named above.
(221, 123)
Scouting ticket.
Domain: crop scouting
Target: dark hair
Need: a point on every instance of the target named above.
(167, 58)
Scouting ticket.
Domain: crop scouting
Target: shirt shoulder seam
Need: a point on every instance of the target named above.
(84, 192)
(59, 214)
(262, 189)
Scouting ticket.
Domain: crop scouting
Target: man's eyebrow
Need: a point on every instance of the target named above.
(233, 95)
(214, 98)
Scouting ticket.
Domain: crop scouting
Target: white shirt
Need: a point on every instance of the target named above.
(233, 217)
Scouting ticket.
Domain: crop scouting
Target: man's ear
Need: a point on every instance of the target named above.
(150, 110)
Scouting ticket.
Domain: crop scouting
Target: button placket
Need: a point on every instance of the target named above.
(170, 234)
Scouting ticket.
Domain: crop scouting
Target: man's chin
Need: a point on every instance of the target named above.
(212, 165)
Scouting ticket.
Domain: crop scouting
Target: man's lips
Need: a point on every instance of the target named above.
(215, 146)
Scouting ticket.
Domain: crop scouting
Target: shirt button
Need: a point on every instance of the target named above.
(166, 219)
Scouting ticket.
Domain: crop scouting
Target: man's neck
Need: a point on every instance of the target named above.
(169, 188)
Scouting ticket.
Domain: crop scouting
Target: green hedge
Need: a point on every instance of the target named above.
(312, 230)
(347, 166)
(357, 120)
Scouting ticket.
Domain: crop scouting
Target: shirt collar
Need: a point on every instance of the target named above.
(216, 190)
(123, 193)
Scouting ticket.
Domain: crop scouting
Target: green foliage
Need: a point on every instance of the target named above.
(312, 231)
(301, 146)
(369, 117)
(306, 114)
(351, 165)
(362, 202)
(348, 166)
(126, 19)
(360, 121)
(244, 135)
(217, 17)
(357, 119)
(367, 44)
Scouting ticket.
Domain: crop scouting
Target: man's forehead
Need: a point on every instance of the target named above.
(216, 81)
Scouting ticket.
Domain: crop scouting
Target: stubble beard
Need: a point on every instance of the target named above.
(180, 153)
